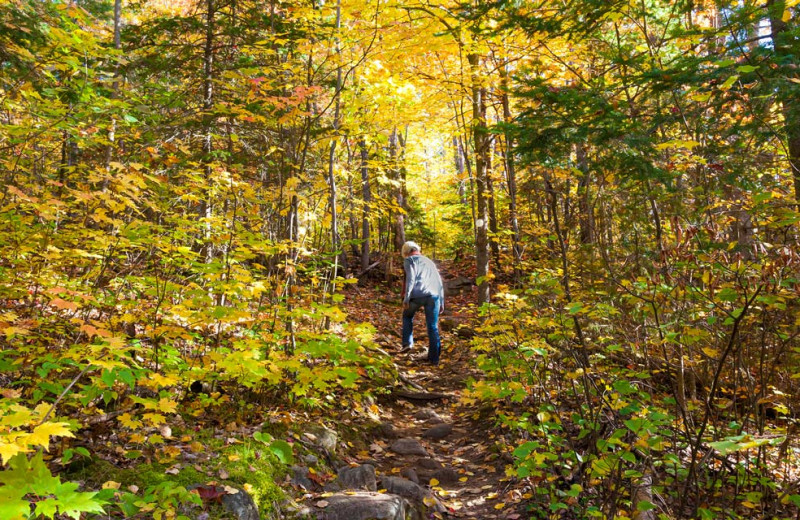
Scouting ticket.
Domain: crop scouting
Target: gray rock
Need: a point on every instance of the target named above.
(241, 506)
(446, 476)
(404, 488)
(388, 430)
(410, 474)
(440, 431)
(300, 478)
(408, 446)
(456, 285)
(324, 438)
(365, 506)
(429, 464)
(310, 459)
(426, 414)
(358, 477)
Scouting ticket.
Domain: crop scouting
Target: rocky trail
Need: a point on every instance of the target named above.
(434, 454)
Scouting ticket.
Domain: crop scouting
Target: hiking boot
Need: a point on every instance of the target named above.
(406, 348)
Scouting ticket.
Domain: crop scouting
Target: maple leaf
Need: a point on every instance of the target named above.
(8, 450)
(73, 503)
(167, 406)
(154, 418)
(210, 493)
(42, 433)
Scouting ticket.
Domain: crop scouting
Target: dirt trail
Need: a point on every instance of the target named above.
(463, 467)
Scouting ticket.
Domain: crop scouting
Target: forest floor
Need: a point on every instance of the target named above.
(469, 461)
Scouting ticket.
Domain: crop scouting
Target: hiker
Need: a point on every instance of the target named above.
(423, 289)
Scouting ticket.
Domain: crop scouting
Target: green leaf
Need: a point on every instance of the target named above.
(129, 118)
(744, 69)
(47, 507)
(624, 387)
(729, 82)
(73, 503)
(645, 505)
(725, 447)
(282, 450)
(13, 507)
(574, 307)
(525, 449)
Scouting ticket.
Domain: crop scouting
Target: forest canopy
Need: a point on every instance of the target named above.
(196, 194)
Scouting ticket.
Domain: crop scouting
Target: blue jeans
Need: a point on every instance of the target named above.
(431, 306)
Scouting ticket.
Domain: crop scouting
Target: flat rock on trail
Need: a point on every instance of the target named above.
(437, 443)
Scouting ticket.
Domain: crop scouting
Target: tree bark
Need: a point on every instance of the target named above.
(206, 209)
(494, 244)
(585, 217)
(335, 239)
(398, 177)
(458, 157)
(511, 174)
(366, 197)
(114, 91)
(785, 46)
(479, 136)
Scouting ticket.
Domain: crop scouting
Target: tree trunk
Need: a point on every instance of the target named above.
(494, 244)
(511, 175)
(206, 210)
(479, 135)
(783, 41)
(335, 239)
(585, 217)
(114, 91)
(458, 157)
(397, 176)
(366, 197)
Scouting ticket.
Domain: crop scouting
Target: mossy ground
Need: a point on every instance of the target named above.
(245, 465)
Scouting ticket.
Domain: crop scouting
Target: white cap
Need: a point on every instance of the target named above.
(409, 247)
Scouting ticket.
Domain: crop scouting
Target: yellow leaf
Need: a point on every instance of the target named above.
(434, 482)
(9, 450)
(129, 422)
(111, 485)
(42, 433)
(20, 416)
(19, 331)
(157, 380)
(233, 457)
(167, 405)
(154, 418)
(501, 505)
(787, 15)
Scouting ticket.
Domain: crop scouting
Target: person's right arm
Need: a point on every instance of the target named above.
(408, 266)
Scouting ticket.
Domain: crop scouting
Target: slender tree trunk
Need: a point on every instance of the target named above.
(206, 209)
(459, 164)
(585, 217)
(785, 45)
(494, 244)
(481, 149)
(399, 189)
(114, 91)
(366, 197)
(511, 174)
(335, 239)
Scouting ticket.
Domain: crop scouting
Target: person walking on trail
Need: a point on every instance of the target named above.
(423, 289)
